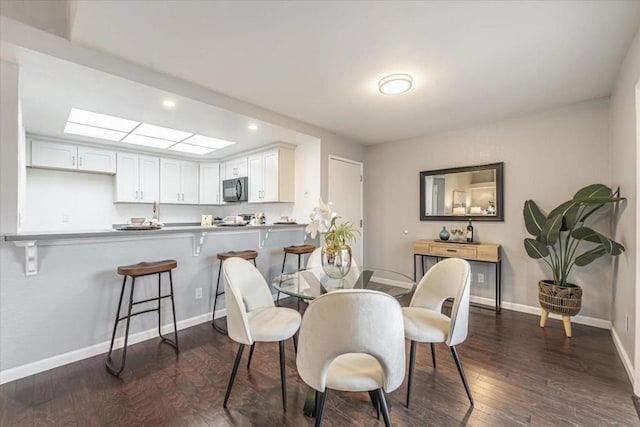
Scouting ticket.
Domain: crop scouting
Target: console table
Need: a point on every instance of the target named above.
(477, 252)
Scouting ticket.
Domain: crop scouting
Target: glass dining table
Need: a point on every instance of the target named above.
(311, 283)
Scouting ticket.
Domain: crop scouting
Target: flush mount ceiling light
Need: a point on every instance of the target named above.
(147, 141)
(395, 84)
(93, 132)
(154, 131)
(191, 149)
(253, 126)
(104, 121)
(169, 103)
(205, 141)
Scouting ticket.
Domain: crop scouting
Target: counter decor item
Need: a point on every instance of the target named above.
(469, 231)
(336, 252)
(444, 234)
(557, 238)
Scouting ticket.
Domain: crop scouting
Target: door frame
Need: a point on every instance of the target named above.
(356, 163)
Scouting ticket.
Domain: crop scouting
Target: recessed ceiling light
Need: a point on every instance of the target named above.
(169, 103)
(253, 126)
(205, 141)
(188, 148)
(395, 84)
(94, 132)
(101, 120)
(169, 134)
(147, 141)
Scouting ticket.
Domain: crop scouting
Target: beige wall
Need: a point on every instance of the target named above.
(624, 170)
(547, 157)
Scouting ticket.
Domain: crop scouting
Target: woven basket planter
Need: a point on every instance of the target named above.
(564, 300)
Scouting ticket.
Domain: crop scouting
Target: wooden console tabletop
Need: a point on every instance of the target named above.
(478, 252)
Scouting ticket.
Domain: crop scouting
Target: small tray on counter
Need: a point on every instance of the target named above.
(138, 227)
(285, 223)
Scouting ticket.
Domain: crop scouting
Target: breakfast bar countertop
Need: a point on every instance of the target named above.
(113, 232)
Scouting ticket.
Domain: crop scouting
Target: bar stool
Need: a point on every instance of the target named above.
(298, 250)
(139, 270)
(248, 255)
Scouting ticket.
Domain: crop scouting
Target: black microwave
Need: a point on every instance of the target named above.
(235, 190)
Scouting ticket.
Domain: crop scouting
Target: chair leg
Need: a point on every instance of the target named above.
(433, 355)
(385, 408)
(374, 401)
(412, 362)
(233, 374)
(295, 343)
(283, 377)
(462, 375)
(320, 406)
(250, 355)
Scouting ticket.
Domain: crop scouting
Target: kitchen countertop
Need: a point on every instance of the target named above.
(110, 232)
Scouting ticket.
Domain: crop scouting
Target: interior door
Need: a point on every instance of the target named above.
(345, 192)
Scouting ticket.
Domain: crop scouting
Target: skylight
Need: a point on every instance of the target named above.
(111, 128)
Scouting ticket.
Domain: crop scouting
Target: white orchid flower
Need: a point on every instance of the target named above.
(320, 219)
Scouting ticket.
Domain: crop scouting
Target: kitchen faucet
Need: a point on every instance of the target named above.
(156, 212)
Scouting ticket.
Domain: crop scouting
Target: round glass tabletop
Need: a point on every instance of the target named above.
(311, 283)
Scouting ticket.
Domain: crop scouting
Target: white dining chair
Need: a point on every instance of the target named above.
(424, 321)
(352, 340)
(253, 317)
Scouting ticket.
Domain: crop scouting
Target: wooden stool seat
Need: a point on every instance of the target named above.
(248, 255)
(144, 268)
(134, 271)
(300, 249)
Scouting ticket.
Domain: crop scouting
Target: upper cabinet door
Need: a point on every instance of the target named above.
(127, 187)
(209, 183)
(270, 176)
(236, 168)
(170, 188)
(190, 184)
(255, 180)
(149, 178)
(54, 155)
(96, 159)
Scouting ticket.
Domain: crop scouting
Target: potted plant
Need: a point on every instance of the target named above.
(563, 241)
(336, 252)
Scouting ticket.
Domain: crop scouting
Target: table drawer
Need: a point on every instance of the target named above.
(451, 250)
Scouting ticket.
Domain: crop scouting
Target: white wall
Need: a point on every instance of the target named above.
(307, 178)
(10, 130)
(624, 172)
(547, 157)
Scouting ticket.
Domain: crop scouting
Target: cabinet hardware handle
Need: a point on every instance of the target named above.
(141, 195)
(452, 250)
(178, 196)
(73, 160)
(136, 195)
(79, 161)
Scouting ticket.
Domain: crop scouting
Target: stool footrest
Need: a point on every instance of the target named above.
(152, 299)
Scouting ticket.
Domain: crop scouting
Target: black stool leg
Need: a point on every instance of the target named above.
(215, 302)
(173, 343)
(115, 324)
(284, 260)
(110, 367)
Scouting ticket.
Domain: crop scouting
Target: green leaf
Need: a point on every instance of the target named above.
(586, 233)
(611, 246)
(535, 249)
(590, 256)
(593, 191)
(534, 217)
(563, 208)
(551, 230)
(570, 218)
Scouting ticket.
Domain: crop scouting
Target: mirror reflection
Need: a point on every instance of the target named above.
(459, 193)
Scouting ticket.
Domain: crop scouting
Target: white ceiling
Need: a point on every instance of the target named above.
(319, 61)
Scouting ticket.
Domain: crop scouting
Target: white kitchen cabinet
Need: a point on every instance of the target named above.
(178, 181)
(271, 176)
(58, 155)
(209, 183)
(137, 178)
(235, 168)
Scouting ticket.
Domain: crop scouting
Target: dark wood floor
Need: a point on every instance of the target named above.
(519, 374)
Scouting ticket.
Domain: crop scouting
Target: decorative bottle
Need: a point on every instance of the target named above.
(444, 234)
(469, 231)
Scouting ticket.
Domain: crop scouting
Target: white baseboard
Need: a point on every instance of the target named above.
(582, 320)
(83, 353)
(623, 355)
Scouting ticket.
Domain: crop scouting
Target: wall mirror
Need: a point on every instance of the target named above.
(474, 192)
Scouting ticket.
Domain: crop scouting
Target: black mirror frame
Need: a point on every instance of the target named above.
(499, 216)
